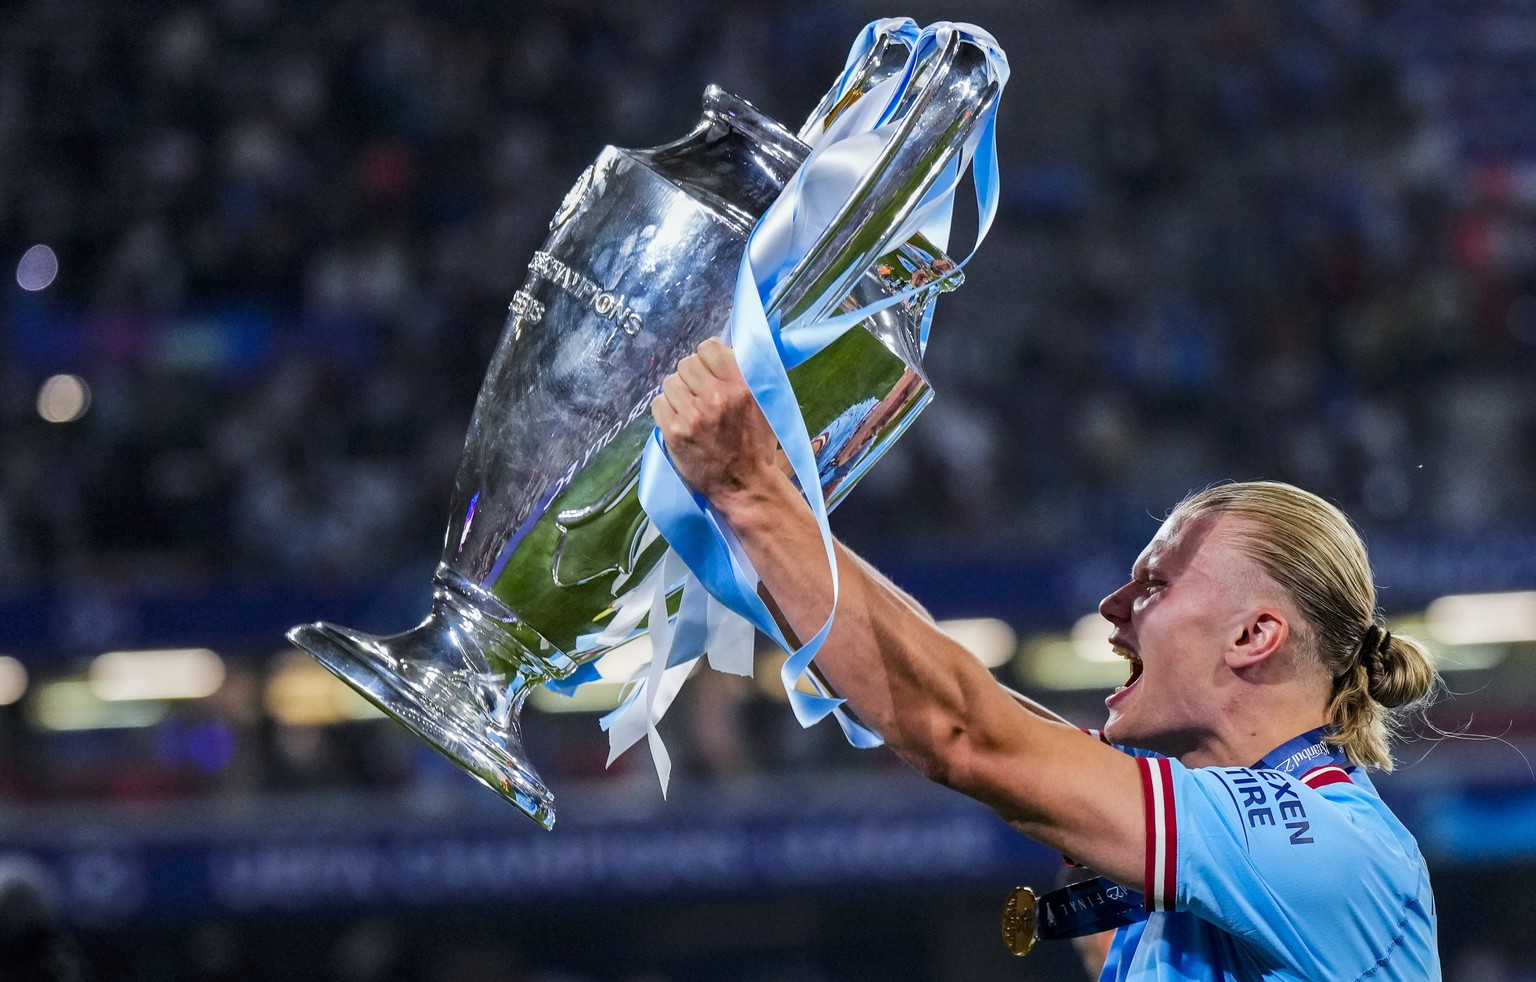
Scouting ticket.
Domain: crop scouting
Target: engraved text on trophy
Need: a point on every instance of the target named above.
(604, 302)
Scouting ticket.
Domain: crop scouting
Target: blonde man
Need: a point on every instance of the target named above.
(1261, 687)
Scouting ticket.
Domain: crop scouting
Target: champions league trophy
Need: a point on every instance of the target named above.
(547, 533)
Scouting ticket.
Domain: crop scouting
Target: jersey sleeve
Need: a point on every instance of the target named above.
(1283, 863)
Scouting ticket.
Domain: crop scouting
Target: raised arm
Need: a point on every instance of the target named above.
(934, 703)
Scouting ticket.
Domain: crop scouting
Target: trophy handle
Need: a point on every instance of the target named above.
(954, 89)
(886, 56)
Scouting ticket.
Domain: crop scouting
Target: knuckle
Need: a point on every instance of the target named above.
(740, 393)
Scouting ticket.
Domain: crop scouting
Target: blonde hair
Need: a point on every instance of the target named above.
(1313, 552)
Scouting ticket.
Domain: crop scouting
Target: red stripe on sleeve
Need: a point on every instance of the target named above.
(1170, 838)
(1161, 871)
(1150, 810)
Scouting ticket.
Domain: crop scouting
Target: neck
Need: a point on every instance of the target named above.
(1244, 744)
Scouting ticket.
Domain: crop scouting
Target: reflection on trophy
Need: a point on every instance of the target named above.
(546, 532)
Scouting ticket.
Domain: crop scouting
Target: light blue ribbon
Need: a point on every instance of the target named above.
(766, 351)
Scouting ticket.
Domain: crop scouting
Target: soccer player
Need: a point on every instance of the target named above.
(1261, 689)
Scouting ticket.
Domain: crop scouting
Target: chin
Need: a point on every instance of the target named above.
(1116, 730)
(1124, 732)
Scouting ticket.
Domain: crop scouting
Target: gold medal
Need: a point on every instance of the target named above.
(1019, 921)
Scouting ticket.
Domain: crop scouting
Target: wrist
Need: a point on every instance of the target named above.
(754, 503)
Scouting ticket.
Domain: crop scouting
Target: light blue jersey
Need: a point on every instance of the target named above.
(1261, 874)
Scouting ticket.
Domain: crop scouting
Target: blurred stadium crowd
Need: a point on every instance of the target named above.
(1237, 240)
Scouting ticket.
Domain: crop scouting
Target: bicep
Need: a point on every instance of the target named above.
(1061, 787)
(938, 707)
(1035, 707)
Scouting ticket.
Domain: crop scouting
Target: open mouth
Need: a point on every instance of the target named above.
(1136, 667)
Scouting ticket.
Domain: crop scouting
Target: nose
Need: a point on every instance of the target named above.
(1116, 608)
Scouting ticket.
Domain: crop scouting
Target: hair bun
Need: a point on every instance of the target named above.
(1398, 669)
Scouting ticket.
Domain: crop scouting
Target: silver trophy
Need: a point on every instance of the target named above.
(546, 531)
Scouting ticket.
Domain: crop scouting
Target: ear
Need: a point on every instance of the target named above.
(1261, 634)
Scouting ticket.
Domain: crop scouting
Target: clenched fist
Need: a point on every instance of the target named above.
(717, 436)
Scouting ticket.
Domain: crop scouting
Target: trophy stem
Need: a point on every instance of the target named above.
(458, 680)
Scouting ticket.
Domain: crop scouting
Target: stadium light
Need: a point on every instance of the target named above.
(1082, 659)
(73, 704)
(1483, 618)
(38, 268)
(13, 680)
(63, 398)
(992, 641)
(175, 673)
(597, 696)
(1090, 641)
(300, 692)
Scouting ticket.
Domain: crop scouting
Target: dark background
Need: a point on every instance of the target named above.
(1236, 240)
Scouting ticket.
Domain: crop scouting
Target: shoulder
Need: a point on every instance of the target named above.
(1301, 832)
(1312, 870)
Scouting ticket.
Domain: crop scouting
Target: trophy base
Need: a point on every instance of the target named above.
(447, 710)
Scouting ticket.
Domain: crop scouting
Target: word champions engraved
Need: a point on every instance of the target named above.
(610, 306)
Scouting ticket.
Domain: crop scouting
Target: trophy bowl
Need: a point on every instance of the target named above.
(546, 532)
